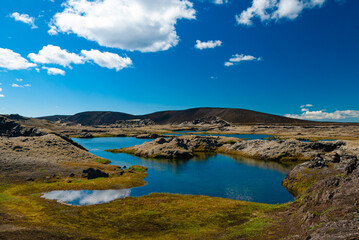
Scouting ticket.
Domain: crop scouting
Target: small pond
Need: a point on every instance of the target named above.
(214, 175)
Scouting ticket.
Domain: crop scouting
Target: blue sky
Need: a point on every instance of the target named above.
(297, 57)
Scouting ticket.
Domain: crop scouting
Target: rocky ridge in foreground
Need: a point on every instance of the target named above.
(327, 197)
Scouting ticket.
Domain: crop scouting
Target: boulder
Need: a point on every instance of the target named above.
(92, 173)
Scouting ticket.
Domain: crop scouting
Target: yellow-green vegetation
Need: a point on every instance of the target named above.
(137, 168)
(128, 150)
(162, 216)
(102, 161)
(303, 181)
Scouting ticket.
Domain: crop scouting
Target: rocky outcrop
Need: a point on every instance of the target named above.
(133, 123)
(283, 150)
(188, 146)
(148, 136)
(183, 147)
(327, 195)
(9, 128)
(214, 122)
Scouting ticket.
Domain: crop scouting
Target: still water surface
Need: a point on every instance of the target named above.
(212, 175)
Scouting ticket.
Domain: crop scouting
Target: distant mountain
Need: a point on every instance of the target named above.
(232, 115)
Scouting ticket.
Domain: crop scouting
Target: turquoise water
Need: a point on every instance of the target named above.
(212, 175)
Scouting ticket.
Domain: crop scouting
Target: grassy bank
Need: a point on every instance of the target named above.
(162, 216)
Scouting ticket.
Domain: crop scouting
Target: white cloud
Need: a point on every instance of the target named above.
(143, 25)
(2, 95)
(267, 10)
(107, 59)
(0, 89)
(219, 2)
(209, 44)
(306, 105)
(323, 115)
(54, 71)
(24, 18)
(15, 85)
(237, 58)
(55, 55)
(19, 80)
(13, 61)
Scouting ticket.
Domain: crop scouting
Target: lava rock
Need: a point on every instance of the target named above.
(92, 173)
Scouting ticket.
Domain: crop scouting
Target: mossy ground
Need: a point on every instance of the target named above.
(102, 161)
(162, 216)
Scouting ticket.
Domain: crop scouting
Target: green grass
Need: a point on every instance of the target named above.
(162, 216)
(102, 161)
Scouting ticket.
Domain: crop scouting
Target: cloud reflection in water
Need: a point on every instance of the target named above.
(87, 197)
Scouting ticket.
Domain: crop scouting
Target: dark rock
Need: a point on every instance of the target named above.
(317, 162)
(92, 173)
(72, 175)
(9, 128)
(332, 182)
(160, 140)
(148, 136)
(335, 158)
(86, 135)
(326, 146)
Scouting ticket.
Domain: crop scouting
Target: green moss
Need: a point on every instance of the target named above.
(253, 228)
(128, 150)
(137, 168)
(163, 216)
(102, 161)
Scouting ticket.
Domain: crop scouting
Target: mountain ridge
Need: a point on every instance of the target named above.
(232, 115)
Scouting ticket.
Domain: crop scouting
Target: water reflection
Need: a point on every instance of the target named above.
(264, 164)
(214, 175)
(87, 197)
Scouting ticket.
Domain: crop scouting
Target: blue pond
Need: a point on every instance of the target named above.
(213, 175)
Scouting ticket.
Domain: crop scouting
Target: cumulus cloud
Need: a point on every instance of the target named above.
(24, 18)
(209, 44)
(237, 58)
(267, 10)
(55, 55)
(13, 61)
(107, 59)
(142, 25)
(323, 114)
(54, 71)
(2, 95)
